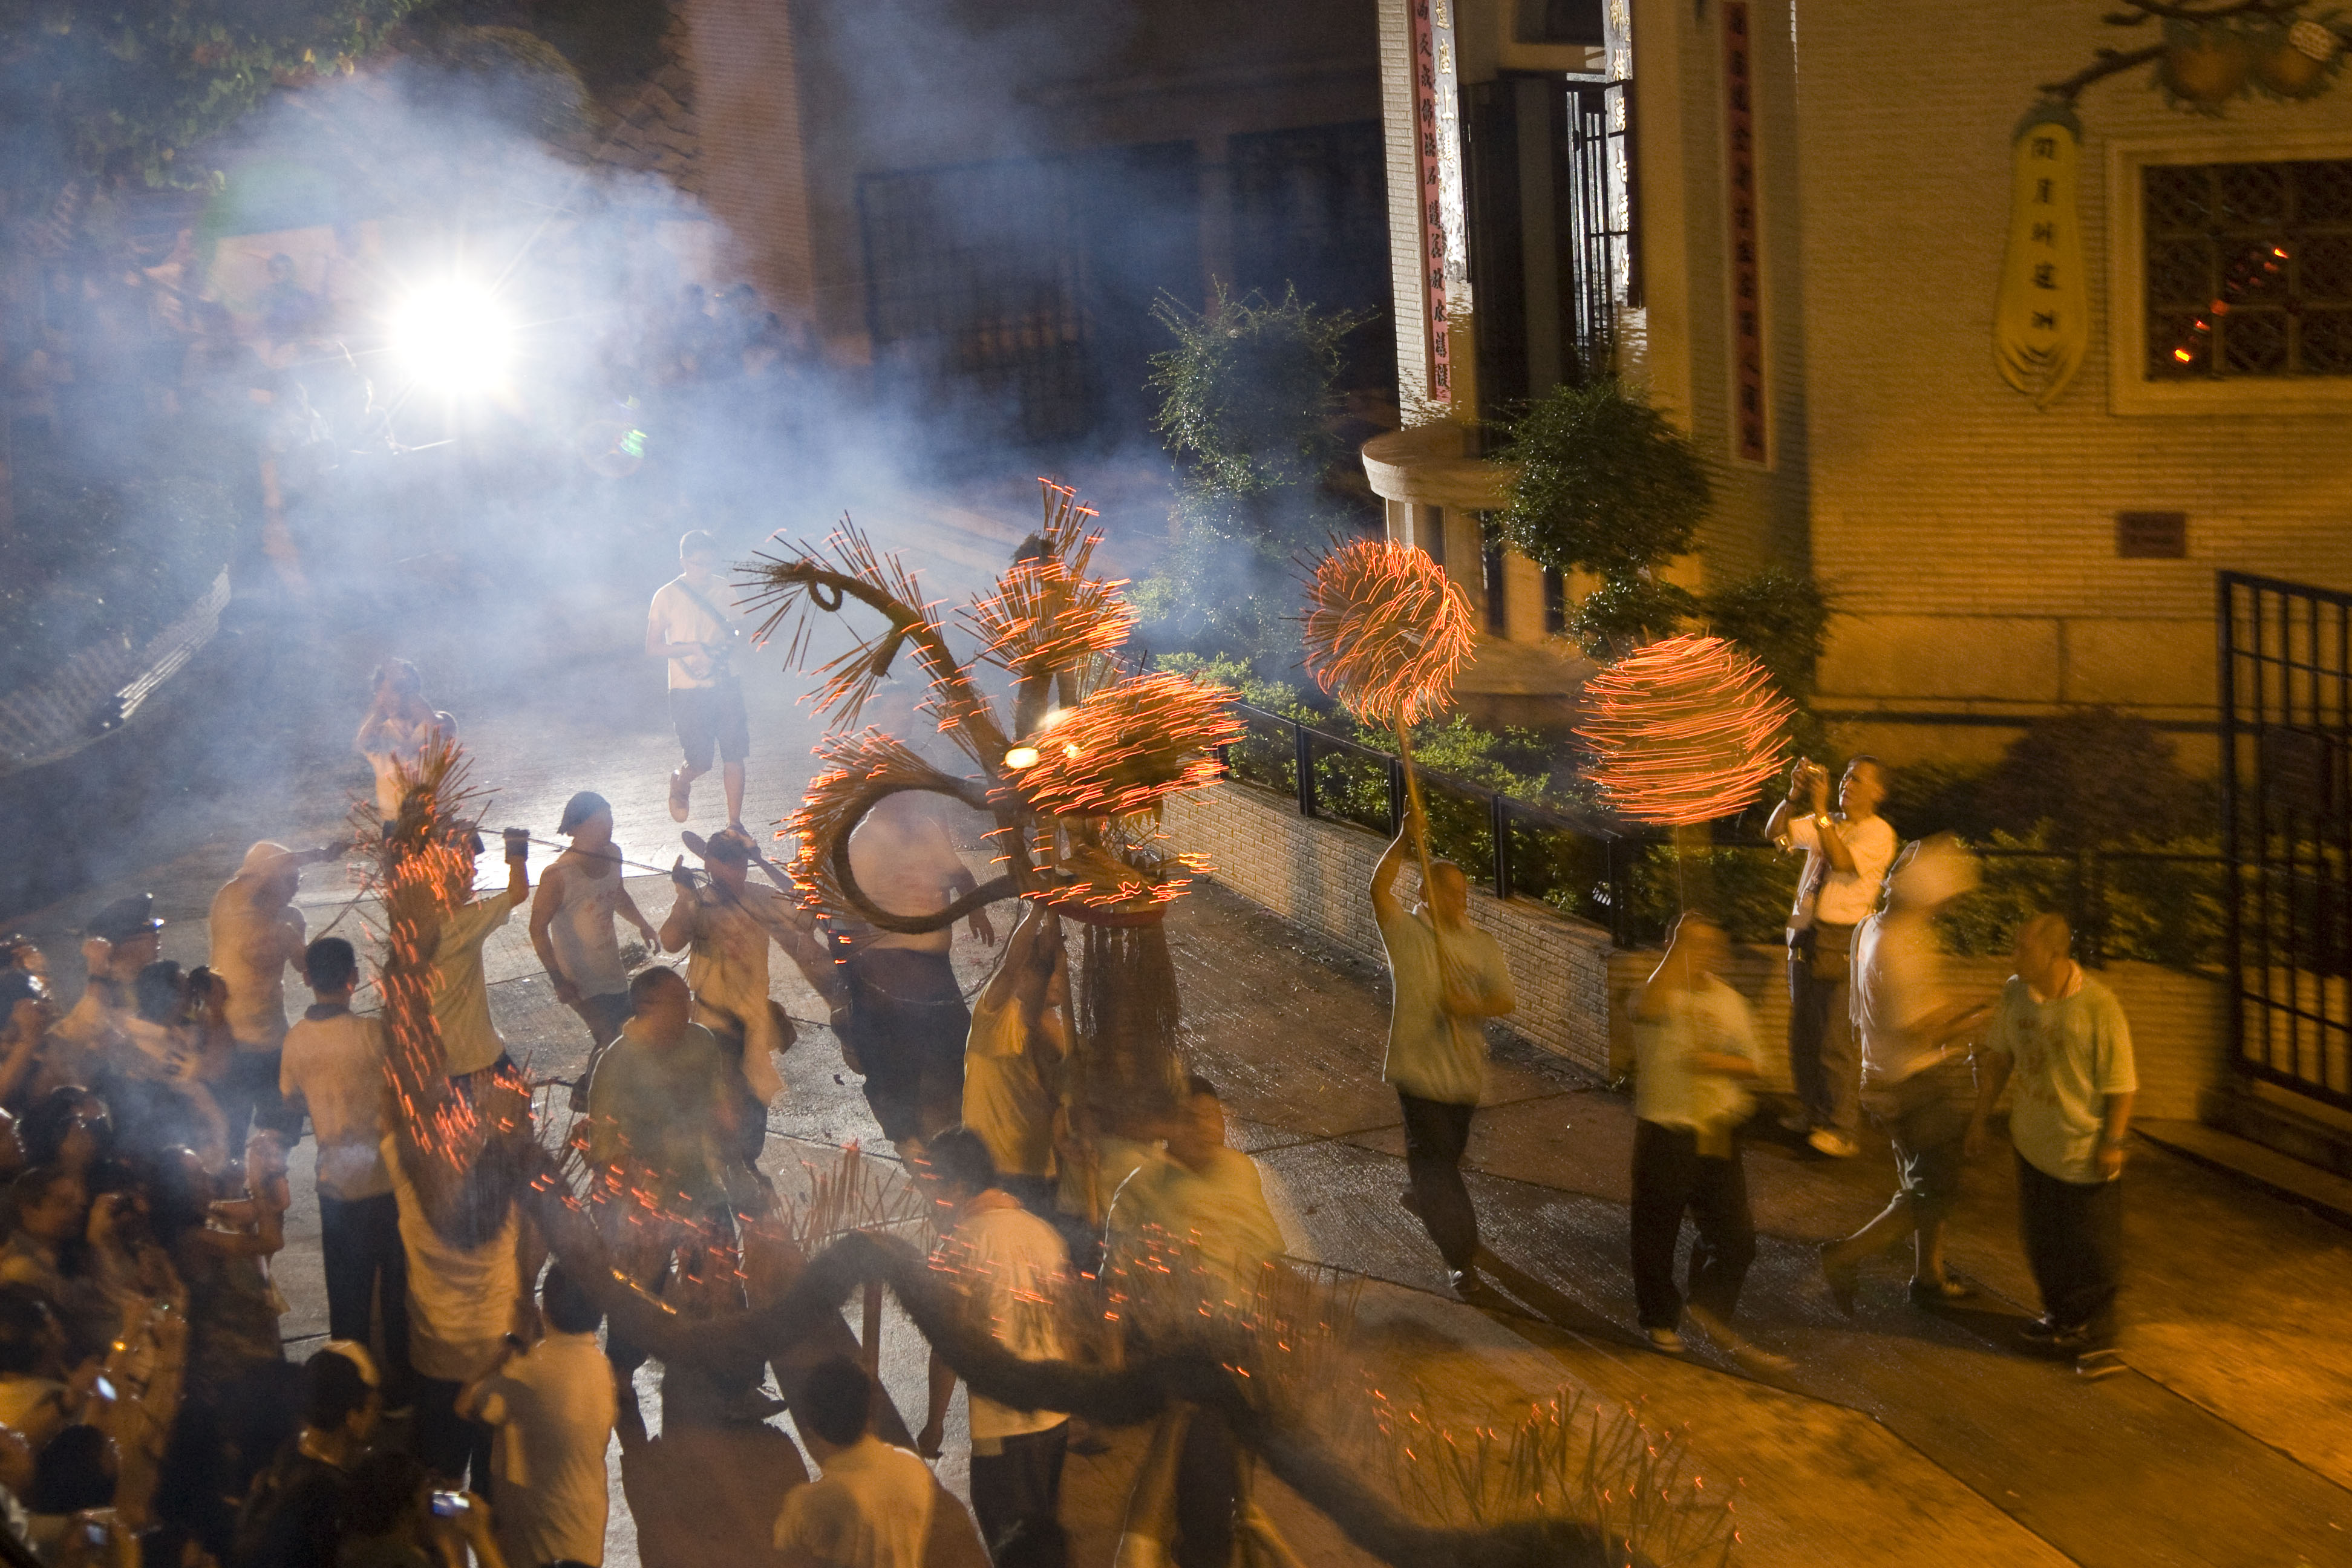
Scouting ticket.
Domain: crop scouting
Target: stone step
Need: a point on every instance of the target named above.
(2309, 1186)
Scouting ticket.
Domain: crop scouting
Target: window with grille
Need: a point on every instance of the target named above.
(2248, 269)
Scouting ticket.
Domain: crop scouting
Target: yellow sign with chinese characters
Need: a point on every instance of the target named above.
(2042, 319)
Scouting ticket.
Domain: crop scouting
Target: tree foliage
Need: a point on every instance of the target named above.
(1605, 483)
(114, 90)
(1247, 411)
(1246, 398)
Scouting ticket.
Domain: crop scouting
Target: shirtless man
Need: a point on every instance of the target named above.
(256, 935)
(727, 924)
(573, 915)
(908, 1019)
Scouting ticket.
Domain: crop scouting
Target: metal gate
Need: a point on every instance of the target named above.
(2286, 821)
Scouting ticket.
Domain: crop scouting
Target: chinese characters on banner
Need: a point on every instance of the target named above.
(2042, 318)
(1749, 413)
(1445, 256)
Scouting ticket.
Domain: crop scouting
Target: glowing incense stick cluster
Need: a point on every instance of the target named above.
(1386, 631)
(1684, 730)
(1124, 749)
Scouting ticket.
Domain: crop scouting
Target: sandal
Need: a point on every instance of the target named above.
(681, 797)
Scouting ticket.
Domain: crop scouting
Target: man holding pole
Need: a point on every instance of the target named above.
(1447, 977)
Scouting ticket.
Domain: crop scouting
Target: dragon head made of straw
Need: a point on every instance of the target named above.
(1074, 785)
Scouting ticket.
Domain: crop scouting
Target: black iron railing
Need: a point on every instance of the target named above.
(2162, 906)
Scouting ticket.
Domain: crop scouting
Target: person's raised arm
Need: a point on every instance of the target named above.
(678, 927)
(1777, 829)
(1386, 906)
(518, 867)
(543, 905)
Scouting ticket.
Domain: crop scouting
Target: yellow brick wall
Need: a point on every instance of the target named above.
(1975, 534)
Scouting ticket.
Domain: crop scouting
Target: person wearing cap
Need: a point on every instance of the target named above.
(122, 939)
(572, 920)
(461, 993)
(1918, 1081)
(727, 924)
(256, 934)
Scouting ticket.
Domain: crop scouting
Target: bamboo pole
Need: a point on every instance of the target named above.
(1414, 816)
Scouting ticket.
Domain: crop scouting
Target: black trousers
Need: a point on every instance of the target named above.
(2074, 1235)
(1435, 1133)
(447, 1444)
(1207, 1485)
(1672, 1178)
(908, 1023)
(248, 1094)
(1824, 1058)
(365, 1264)
(1023, 1482)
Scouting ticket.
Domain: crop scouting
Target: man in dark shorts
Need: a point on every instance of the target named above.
(691, 628)
(907, 1021)
(1918, 1080)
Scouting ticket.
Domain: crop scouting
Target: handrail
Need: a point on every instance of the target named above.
(1621, 847)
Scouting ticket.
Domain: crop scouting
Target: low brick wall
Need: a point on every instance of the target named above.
(1318, 875)
(1573, 986)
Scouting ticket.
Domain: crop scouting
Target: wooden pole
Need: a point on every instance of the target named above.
(1413, 814)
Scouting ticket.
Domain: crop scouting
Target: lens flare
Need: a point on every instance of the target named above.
(454, 337)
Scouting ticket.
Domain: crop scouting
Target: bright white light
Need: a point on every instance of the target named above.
(454, 337)
(1021, 757)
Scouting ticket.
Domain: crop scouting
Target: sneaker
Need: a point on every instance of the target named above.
(1836, 1145)
(681, 799)
(2039, 1333)
(1666, 1341)
(2093, 1366)
(1466, 1284)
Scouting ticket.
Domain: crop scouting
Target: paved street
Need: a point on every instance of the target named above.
(1903, 1437)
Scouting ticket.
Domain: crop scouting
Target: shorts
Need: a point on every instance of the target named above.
(1926, 1118)
(708, 717)
(908, 1025)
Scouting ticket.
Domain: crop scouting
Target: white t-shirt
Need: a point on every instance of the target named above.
(336, 1066)
(676, 617)
(1898, 983)
(2069, 1053)
(1434, 1055)
(1013, 1265)
(1847, 898)
(461, 995)
(1004, 1098)
(251, 948)
(554, 1409)
(1712, 1019)
(460, 1299)
(872, 1508)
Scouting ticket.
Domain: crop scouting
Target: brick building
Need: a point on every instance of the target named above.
(981, 202)
(1998, 560)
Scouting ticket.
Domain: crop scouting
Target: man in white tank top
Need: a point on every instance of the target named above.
(573, 916)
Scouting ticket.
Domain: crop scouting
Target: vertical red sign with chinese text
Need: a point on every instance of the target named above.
(1433, 222)
(1749, 411)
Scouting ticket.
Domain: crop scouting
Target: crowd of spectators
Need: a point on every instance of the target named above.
(147, 1409)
